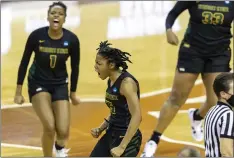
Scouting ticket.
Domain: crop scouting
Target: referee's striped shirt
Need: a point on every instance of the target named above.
(218, 124)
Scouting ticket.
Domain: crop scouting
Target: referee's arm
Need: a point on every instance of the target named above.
(227, 134)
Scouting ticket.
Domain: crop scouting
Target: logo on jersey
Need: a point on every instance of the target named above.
(182, 69)
(65, 43)
(115, 89)
(39, 89)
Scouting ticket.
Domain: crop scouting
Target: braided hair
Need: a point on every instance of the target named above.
(114, 55)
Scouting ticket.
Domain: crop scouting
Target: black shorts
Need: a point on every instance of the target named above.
(57, 92)
(192, 61)
(111, 139)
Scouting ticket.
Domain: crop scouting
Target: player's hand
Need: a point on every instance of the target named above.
(96, 132)
(74, 98)
(172, 38)
(18, 99)
(117, 151)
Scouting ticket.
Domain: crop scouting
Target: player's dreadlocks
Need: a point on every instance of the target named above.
(114, 55)
(61, 4)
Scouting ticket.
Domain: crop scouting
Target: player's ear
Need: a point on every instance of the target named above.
(111, 65)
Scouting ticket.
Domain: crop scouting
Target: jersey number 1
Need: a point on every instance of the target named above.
(53, 59)
(212, 18)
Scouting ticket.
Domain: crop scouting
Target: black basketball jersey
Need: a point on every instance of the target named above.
(49, 64)
(210, 23)
(120, 116)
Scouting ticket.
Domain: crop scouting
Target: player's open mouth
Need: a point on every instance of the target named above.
(56, 22)
(97, 72)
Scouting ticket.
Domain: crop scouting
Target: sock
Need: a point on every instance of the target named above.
(58, 147)
(156, 137)
(196, 115)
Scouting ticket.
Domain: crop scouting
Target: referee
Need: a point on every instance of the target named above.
(219, 121)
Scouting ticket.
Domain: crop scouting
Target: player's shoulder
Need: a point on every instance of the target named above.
(129, 79)
(40, 30)
(38, 33)
(70, 34)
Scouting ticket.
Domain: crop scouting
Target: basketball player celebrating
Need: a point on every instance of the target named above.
(47, 78)
(122, 137)
(204, 49)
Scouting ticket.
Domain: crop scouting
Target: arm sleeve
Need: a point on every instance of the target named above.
(227, 125)
(179, 7)
(75, 63)
(29, 48)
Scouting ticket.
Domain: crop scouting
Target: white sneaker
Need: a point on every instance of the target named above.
(61, 153)
(150, 149)
(196, 126)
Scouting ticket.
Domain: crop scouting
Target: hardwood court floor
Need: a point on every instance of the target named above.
(21, 126)
(153, 65)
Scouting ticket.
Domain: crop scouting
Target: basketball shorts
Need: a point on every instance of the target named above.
(192, 61)
(57, 92)
(111, 139)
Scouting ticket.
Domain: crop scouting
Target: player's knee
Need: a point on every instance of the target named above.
(177, 98)
(62, 133)
(49, 129)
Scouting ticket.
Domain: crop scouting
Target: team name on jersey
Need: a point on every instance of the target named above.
(53, 50)
(111, 97)
(213, 8)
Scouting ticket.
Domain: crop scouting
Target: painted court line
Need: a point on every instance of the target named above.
(191, 100)
(153, 113)
(101, 100)
(182, 142)
(156, 114)
(20, 146)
